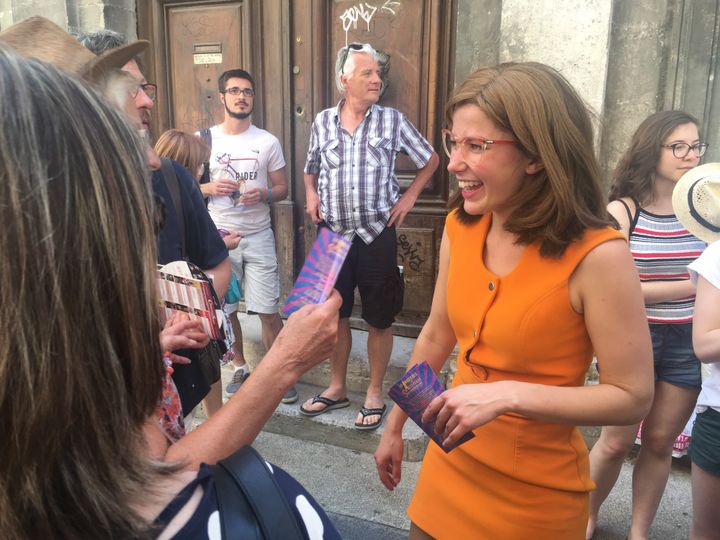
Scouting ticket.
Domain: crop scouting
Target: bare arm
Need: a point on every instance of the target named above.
(221, 276)
(706, 322)
(312, 201)
(308, 337)
(279, 185)
(407, 201)
(434, 345)
(653, 291)
(607, 289)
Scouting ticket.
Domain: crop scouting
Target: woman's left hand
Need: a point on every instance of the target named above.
(467, 407)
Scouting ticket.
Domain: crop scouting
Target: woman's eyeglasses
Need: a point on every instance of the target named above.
(469, 146)
(681, 150)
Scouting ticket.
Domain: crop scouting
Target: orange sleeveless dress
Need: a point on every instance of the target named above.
(519, 478)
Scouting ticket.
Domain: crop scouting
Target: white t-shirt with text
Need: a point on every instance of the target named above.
(245, 158)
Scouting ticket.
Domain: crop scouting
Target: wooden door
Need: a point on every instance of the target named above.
(416, 35)
(193, 43)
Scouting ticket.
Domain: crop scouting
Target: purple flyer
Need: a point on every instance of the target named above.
(414, 392)
(320, 271)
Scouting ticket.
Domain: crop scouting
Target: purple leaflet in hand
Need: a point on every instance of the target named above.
(320, 271)
(414, 392)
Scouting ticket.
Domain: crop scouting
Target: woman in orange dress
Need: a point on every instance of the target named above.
(532, 281)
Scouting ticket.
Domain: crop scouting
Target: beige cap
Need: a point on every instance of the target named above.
(37, 37)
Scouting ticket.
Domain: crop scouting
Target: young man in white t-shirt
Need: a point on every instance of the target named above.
(247, 173)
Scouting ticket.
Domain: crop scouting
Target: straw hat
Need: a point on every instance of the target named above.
(696, 201)
(39, 38)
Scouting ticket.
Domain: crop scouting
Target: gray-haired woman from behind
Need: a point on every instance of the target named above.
(80, 369)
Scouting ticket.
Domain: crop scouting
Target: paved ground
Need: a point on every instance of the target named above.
(345, 483)
(673, 517)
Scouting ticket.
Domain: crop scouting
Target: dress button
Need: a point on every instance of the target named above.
(491, 286)
(474, 333)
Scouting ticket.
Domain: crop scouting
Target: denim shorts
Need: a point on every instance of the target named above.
(705, 446)
(673, 356)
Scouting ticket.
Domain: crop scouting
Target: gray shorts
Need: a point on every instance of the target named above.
(254, 262)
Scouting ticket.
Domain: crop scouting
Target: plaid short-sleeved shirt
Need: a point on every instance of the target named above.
(357, 185)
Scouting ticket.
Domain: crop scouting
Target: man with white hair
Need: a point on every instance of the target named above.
(351, 188)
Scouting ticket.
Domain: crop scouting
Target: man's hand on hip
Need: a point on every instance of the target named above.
(401, 208)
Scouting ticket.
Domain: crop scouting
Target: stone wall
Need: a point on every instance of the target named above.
(627, 59)
(85, 15)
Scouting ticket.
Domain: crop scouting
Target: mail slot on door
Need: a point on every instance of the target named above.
(207, 53)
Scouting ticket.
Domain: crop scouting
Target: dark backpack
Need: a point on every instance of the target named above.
(251, 504)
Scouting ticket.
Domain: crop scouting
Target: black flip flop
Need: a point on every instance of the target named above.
(364, 411)
(330, 404)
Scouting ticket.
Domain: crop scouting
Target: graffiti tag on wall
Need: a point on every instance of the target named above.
(409, 253)
(364, 11)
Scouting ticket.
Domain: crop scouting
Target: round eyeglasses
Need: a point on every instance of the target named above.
(680, 149)
(150, 90)
(469, 146)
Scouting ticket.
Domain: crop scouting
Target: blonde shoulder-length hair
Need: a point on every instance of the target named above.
(187, 149)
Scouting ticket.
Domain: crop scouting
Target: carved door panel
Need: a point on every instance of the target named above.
(416, 35)
(201, 44)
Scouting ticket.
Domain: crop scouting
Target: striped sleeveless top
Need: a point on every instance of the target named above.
(662, 249)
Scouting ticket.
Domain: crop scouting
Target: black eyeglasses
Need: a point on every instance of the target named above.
(681, 149)
(346, 51)
(235, 91)
(150, 90)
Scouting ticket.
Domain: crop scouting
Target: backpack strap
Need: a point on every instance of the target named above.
(173, 185)
(250, 501)
(206, 137)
